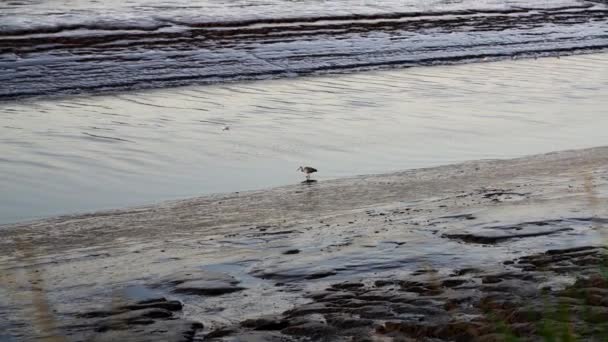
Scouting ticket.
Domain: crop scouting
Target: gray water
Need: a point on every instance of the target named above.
(58, 47)
(87, 153)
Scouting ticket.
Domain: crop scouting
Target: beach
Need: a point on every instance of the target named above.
(89, 153)
(150, 158)
(400, 255)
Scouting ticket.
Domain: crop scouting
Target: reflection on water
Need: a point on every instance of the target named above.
(89, 153)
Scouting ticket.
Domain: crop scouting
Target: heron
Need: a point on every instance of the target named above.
(307, 170)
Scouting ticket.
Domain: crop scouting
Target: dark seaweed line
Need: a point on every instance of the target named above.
(286, 20)
(198, 36)
(379, 16)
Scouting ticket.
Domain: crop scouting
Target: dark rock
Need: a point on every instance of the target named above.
(260, 336)
(347, 322)
(161, 331)
(206, 288)
(416, 309)
(135, 308)
(343, 286)
(266, 323)
(137, 317)
(199, 282)
(291, 251)
(314, 330)
(495, 278)
(493, 239)
(464, 271)
(321, 274)
(466, 216)
(569, 250)
(171, 305)
(382, 283)
(148, 320)
(374, 312)
(312, 308)
(453, 282)
(220, 332)
(335, 296)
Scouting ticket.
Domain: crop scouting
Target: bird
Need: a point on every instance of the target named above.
(307, 170)
(226, 128)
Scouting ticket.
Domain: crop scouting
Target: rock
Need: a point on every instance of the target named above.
(464, 271)
(171, 305)
(453, 282)
(321, 274)
(199, 282)
(348, 285)
(259, 336)
(496, 278)
(206, 287)
(494, 239)
(291, 251)
(290, 275)
(220, 332)
(266, 323)
(149, 320)
(334, 296)
(160, 303)
(163, 331)
(374, 312)
(311, 309)
(569, 250)
(347, 322)
(138, 317)
(314, 330)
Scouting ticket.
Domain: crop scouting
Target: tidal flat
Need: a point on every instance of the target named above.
(482, 250)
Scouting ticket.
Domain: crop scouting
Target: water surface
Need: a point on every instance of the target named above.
(96, 152)
(56, 47)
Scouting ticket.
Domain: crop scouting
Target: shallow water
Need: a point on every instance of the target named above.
(89, 153)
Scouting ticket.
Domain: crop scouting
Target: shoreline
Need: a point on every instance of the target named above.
(146, 147)
(383, 235)
(274, 192)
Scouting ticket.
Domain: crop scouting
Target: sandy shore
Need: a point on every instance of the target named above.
(421, 254)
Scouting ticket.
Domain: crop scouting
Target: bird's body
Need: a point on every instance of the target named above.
(307, 170)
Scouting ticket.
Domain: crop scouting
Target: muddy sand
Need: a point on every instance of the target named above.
(484, 250)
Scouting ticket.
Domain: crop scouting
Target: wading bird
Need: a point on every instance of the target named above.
(307, 170)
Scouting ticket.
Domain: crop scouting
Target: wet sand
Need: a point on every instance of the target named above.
(475, 251)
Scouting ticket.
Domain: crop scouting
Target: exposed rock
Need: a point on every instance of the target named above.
(265, 323)
(291, 251)
(199, 282)
(162, 331)
(445, 309)
(314, 330)
(151, 320)
(206, 287)
(493, 239)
